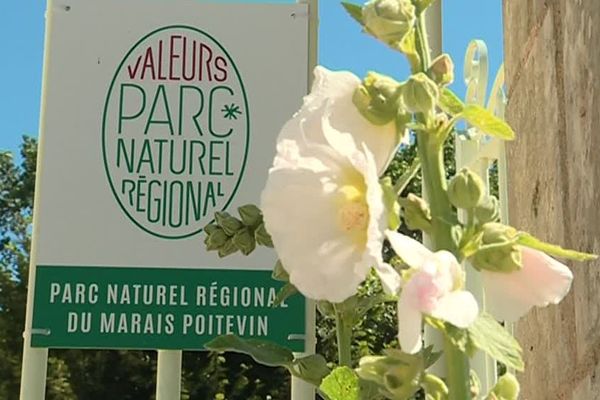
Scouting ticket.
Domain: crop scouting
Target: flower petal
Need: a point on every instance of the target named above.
(541, 281)
(333, 91)
(307, 237)
(459, 308)
(408, 249)
(389, 277)
(409, 326)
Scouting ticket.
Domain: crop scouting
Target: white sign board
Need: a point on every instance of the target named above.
(156, 114)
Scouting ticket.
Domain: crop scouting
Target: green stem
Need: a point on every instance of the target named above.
(435, 185)
(430, 147)
(344, 338)
(459, 384)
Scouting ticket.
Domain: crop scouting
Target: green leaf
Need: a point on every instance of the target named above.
(326, 309)
(487, 122)
(489, 336)
(365, 304)
(430, 357)
(251, 215)
(262, 236)
(284, 293)
(408, 46)
(450, 103)
(312, 369)
(369, 390)
(390, 200)
(527, 240)
(354, 10)
(460, 338)
(422, 5)
(263, 352)
(341, 384)
(279, 273)
(407, 176)
(485, 334)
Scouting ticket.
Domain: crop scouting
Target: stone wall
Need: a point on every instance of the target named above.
(552, 51)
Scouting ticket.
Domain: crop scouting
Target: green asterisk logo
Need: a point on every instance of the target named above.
(231, 111)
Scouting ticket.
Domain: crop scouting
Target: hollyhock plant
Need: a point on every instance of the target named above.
(327, 209)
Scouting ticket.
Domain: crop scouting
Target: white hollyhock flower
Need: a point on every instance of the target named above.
(332, 93)
(323, 206)
(540, 282)
(434, 287)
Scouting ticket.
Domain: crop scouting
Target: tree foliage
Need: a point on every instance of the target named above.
(94, 374)
(91, 374)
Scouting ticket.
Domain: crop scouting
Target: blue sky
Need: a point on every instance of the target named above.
(342, 46)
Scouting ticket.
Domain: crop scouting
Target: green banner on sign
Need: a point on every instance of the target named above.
(160, 308)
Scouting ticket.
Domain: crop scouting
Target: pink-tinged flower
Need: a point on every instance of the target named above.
(542, 281)
(434, 286)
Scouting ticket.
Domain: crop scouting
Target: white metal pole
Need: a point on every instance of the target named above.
(484, 366)
(168, 375)
(434, 27)
(35, 360)
(433, 16)
(301, 390)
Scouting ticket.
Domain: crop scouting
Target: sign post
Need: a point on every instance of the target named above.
(154, 117)
(168, 374)
(300, 389)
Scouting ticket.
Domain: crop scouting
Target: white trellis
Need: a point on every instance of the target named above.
(479, 152)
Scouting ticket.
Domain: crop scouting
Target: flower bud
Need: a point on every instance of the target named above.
(244, 241)
(227, 248)
(420, 94)
(251, 215)
(507, 388)
(417, 214)
(228, 223)
(442, 70)
(499, 251)
(435, 388)
(389, 20)
(495, 232)
(475, 384)
(210, 228)
(262, 236)
(466, 189)
(376, 98)
(401, 382)
(498, 258)
(326, 309)
(372, 368)
(488, 210)
(216, 239)
(398, 374)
